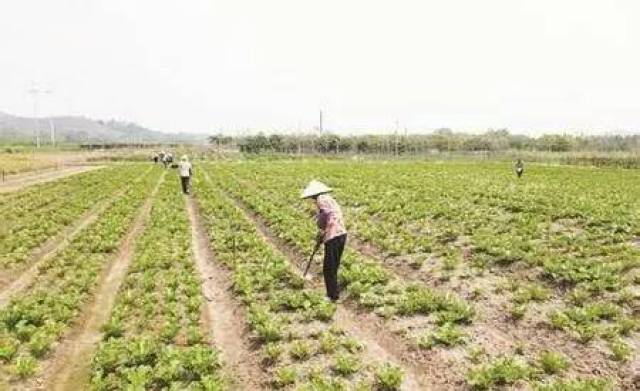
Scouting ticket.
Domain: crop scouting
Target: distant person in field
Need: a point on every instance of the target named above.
(186, 172)
(519, 167)
(155, 157)
(331, 233)
(168, 158)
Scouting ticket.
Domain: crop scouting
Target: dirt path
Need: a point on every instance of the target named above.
(10, 285)
(21, 181)
(381, 345)
(224, 316)
(69, 366)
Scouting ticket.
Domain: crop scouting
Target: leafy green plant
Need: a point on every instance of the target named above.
(25, 366)
(328, 342)
(620, 350)
(8, 348)
(271, 352)
(502, 371)
(351, 344)
(517, 311)
(448, 335)
(575, 385)
(285, 376)
(301, 350)
(346, 364)
(552, 362)
(389, 377)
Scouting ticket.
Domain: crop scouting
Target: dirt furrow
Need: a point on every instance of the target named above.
(69, 365)
(380, 343)
(18, 183)
(10, 285)
(224, 317)
(497, 333)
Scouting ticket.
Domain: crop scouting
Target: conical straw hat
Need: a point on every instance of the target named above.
(314, 188)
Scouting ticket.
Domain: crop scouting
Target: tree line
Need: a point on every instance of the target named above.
(442, 140)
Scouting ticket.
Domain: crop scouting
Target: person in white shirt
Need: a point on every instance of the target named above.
(186, 171)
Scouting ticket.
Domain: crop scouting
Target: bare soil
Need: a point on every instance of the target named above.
(224, 318)
(68, 367)
(493, 330)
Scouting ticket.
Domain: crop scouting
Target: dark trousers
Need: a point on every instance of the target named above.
(332, 253)
(184, 180)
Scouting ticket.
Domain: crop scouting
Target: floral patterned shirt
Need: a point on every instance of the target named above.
(329, 218)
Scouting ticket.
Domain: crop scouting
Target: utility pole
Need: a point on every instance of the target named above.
(53, 132)
(35, 93)
(320, 126)
(396, 137)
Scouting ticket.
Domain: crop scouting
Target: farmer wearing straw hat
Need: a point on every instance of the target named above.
(331, 232)
(186, 171)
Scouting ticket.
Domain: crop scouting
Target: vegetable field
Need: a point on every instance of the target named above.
(456, 276)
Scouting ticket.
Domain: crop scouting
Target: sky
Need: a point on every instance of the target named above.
(246, 65)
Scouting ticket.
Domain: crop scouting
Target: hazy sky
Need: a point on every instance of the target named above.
(204, 65)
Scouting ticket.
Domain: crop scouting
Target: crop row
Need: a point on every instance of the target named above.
(40, 213)
(366, 281)
(276, 199)
(35, 319)
(301, 344)
(572, 229)
(153, 339)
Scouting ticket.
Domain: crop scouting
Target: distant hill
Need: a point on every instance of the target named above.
(79, 129)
